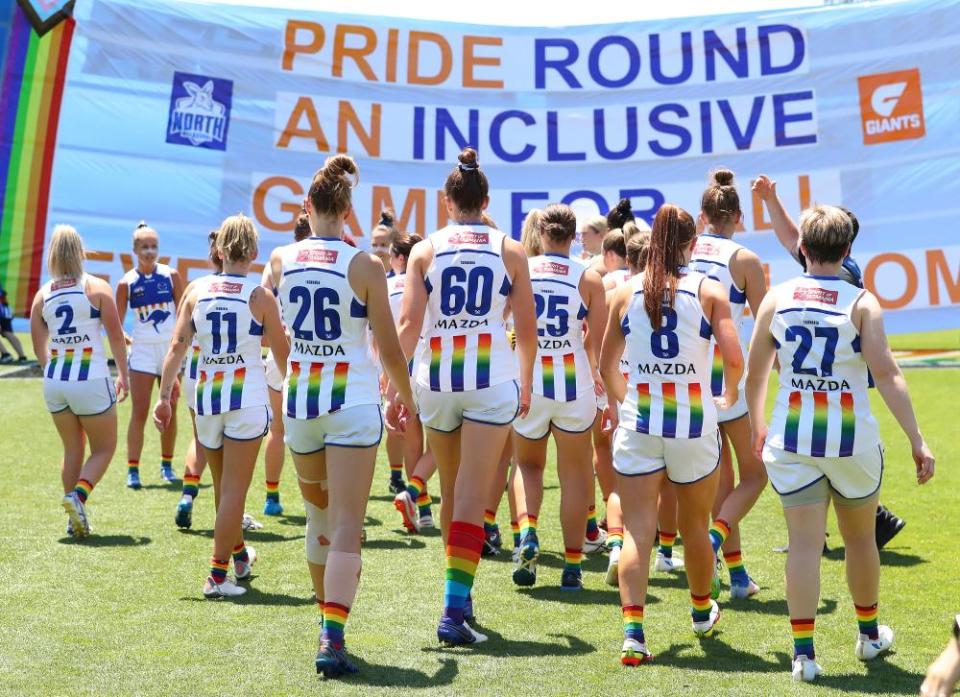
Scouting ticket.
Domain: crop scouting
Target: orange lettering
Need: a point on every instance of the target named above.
(369, 138)
(413, 58)
(803, 182)
(870, 273)
(393, 43)
(356, 54)
(264, 189)
(184, 266)
(290, 46)
(470, 61)
(304, 107)
(415, 204)
(937, 267)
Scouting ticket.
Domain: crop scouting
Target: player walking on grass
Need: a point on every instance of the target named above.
(461, 282)
(331, 293)
(823, 442)
(741, 274)
(153, 292)
(66, 319)
(229, 313)
(668, 421)
(563, 404)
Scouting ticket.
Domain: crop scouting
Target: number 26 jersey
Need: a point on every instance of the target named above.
(464, 344)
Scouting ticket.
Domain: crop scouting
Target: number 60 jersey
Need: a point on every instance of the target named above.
(465, 345)
(822, 407)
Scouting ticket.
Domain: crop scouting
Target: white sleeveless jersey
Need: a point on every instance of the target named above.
(395, 286)
(330, 367)
(711, 257)
(151, 299)
(192, 367)
(668, 391)
(464, 343)
(822, 408)
(76, 342)
(562, 369)
(231, 374)
(619, 277)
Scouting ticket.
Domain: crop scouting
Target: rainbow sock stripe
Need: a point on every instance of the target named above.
(738, 572)
(867, 620)
(240, 553)
(334, 621)
(666, 542)
(484, 345)
(218, 569)
(489, 519)
(424, 501)
(791, 431)
(701, 607)
(643, 408)
(396, 471)
(52, 363)
(166, 461)
(572, 558)
(457, 362)
(716, 373)
(546, 368)
(818, 442)
(614, 537)
(669, 427)
(719, 531)
(570, 377)
(415, 487)
(436, 357)
(633, 623)
(528, 524)
(34, 75)
(695, 399)
(191, 485)
(313, 390)
(338, 397)
(85, 359)
(464, 543)
(133, 466)
(848, 424)
(273, 491)
(236, 388)
(216, 393)
(593, 530)
(83, 490)
(515, 530)
(292, 379)
(803, 638)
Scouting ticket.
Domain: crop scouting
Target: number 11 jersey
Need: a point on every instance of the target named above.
(464, 345)
(822, 407)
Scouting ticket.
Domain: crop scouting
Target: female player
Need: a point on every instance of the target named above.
(668, 422)
(530, 233)
(229, 313)
(460, 281)
(563, 401)
(823, 442)
(331, 293)
(594, 230)
(382, 237)
(740, 272)
(66, 320)
(153, 291)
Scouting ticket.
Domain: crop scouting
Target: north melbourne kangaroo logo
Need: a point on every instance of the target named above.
(157, 317)
(201, 116)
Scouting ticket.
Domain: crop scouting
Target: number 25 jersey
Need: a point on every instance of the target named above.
(464, 342)
(822, 407)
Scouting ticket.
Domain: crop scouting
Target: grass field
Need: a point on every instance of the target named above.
(122, 613)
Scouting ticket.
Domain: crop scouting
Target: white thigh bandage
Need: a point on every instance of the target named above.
(317, 541)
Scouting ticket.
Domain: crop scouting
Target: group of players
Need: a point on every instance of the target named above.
(631, 358)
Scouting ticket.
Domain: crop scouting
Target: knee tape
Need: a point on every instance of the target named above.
(321, 482)
(317, 540)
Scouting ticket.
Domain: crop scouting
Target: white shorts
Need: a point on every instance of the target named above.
(248, 423)
(854, 477)
(274, 379)
(147, 358)
(446, 411)
(686, 460)
(737, 411)
(82, 397)
(355, 427)
(188, 391)
(572, 417)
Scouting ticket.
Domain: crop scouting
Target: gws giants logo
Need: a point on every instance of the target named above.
(891, 106)
(199, 111)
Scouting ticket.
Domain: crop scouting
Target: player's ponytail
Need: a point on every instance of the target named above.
(332, 186)
(467, 185)
(558, 222)
(237, 239)
(720, 202)
(65, 255)
(673, 230)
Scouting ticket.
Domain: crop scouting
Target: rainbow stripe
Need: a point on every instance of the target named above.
(236, 388)
(191, 484)
(695, 396)
(570, 376)
(436, 355)
(67, 364)
(83, 490)
(201, 385)
(32, 90)
(313, 390)
(218, 569)
(52, 363)
(701, 607)
(339, 395)
(643, 407)
(484, 344)
(867, 617)
(216, 393)
(489, 518)
(633, 622)
(194, 361)
(848, 424)
(546, 366)
(572, 558)
(792, 427)
(818, 441)
(292, 381)
(335, 617)
(802, 637)
(669, 429)
(457, 361)
(85, 359)
(463, 556)
(716, 373)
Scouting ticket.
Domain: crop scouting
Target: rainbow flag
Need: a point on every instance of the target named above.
(33, 78)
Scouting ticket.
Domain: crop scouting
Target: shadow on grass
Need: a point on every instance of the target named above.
(720, 657)
(881, 678)
(496, 645)
(164, 486)
(403, 543)
(298, 520)
(107, 541)
(255, 596)
(248, 535)
(380, 675)
(888, 557)
(667, 580)
(775, 606)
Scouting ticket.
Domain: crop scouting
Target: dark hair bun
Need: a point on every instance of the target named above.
(468, 157)
(722, 176)
(339, 165)
(624, 208)
(387, 217)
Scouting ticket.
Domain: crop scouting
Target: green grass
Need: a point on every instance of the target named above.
(122, 613)
(943, 339)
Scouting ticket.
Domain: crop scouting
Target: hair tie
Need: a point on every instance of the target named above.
(143, 223)
(469, 168)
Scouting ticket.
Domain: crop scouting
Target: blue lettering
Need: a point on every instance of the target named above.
(517, 212)
(706, 128)
(553, 143)
(781, 119)
(677, 130)
(742, 139)
(587, 194)
(713, 45)
(600, 135)
(633, 61)
(655, 197)
(419, 117)
(686, 68)
(561, 65)
(446, 125)
(766, 58)
(497, 146)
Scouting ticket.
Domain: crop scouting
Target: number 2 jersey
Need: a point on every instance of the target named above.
(330, 366)
(822, 408)
(75, 344)
(668, 390)
(562, 369)
(464, 343)
(231, 374)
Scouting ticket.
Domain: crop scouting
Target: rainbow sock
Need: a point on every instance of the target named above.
(615, 539)
(515, 529)
(803, 638)
(528, 524)
(593, 530)
(273, 491)
(738, 572)
(867, 619)
(166, 462)
(83, 490)
(464, 543)
(133, 466)
(240, 553)
(424, 501)
(666, 540)
(490, 521)
(218, 569)
(191, 485)
(396, 472)
(334, 620)
(719, 532)
(701, 607)
(415, 487)
(572, 559)
(633, 623)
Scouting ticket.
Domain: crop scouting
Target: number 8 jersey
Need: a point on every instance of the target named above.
(330, 367)
(822, 407)
(464, 344)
